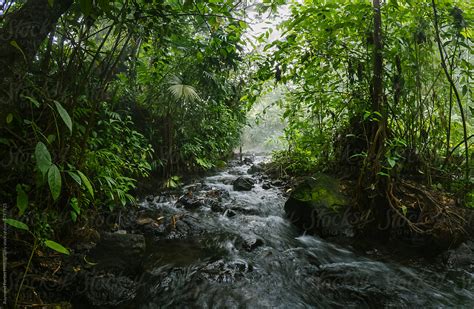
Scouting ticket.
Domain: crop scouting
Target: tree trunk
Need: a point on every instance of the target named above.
(442, 55)
(20, 37)
(372, 185)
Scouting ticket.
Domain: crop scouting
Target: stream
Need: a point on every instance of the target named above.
(251, 256)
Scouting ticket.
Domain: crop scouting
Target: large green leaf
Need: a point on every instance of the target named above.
(56, 247)
(17, 224)
(74, 176)
(64, 115)
(87, 183)
(43, 158)
(21, 199)
(32, 100)
(54, 181)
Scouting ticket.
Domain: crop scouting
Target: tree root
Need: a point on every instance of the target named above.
(423, 212)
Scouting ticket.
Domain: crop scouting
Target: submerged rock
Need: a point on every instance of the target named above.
(317, 205)
(250, 211)
(243, 184)
(225, 271)
(109, 290)
(252, 242)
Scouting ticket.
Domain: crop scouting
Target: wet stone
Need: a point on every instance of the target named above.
(278, 183)
(243, 184)
(254, 169)
(225, 271)
(461, 257)
(251, 242)
(109, 290)
(248, 161)
(230, 213)
(188, 202)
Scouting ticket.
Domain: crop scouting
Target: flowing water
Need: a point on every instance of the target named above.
(213, 269)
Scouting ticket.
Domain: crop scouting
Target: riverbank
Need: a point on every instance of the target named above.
(225, 241)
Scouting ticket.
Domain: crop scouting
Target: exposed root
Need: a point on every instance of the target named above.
(416, 210)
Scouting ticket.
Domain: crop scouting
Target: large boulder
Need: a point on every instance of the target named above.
(243, 184)
(461, 257)
(317, 206)
(119, 253)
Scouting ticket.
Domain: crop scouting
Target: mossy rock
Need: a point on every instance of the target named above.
(318, 206)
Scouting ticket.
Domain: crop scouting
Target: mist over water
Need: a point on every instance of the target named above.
(264, 132)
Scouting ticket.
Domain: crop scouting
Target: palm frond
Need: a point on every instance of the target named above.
(182, 91)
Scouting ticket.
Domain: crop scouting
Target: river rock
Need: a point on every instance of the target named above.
(218, 193)
(105, 290)
(278, 183)
(243, 184)
(119, 253)
(462, 257)
(189, 202)
(254, 169)
(225, 271)
(251, 242)
(248, 161)
(266, 186)
(217, 207)
(229, 213)
(317, 206)
(184, 227)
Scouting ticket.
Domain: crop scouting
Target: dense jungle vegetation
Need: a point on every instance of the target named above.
(99, 96)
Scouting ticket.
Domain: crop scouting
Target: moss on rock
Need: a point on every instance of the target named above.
(318, 206)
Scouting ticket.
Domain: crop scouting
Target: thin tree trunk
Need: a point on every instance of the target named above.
(452, 83)
(372, 186)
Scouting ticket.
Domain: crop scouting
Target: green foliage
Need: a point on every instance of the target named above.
(118, 90)
(54, 181)
(325, 57)
(55, 246)
(21, 200)
(173, 182)
(43, 158)
(64, 115)
(470, 199)
(16, 224)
